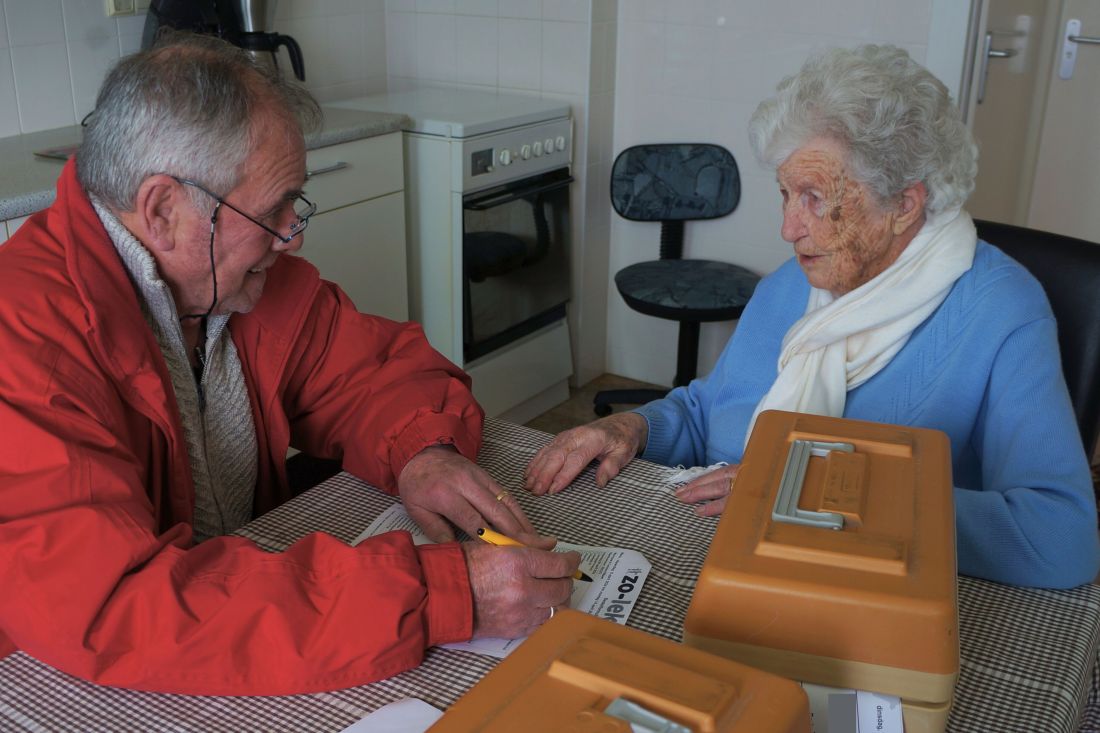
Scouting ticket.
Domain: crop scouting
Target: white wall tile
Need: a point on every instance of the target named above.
(520, 53)
(9, 105)
(89, 61)
(692, 64)
(400, 6)
(578, 11)
(34, 22)
(435, 6)
(86, 20)
(436, 55)
(646, 10)
(565, 48)
(903, 21)
(374, 44)
(520, 8)
(476, 43)
(3, 27)
(129, 43)
(43, 86)
(489, 8)
(131, 24)
(401, 44)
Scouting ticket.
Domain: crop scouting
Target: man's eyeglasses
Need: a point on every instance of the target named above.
(303, 210)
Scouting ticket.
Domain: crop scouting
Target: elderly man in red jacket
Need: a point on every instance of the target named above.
(161, 350)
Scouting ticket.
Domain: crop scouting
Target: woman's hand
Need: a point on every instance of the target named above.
(614, 440)
(439, 487)
(711, 489)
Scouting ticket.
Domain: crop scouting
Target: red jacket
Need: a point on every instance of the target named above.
(99, 575)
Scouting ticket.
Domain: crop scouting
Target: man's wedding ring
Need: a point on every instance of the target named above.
(501, 495)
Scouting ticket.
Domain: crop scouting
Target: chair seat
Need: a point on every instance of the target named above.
(686, 290)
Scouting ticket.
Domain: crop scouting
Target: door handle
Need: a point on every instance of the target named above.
(988, 52)
(1070, 40)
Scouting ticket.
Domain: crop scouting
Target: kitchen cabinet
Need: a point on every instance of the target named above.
(357, 237)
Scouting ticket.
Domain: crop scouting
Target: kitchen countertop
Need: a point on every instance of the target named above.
(27, 181)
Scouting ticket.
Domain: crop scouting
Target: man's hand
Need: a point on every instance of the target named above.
(439, 487)
(514, 588)
(614, 440)
(712, 489)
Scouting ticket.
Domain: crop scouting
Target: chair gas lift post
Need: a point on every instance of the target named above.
(673, 183)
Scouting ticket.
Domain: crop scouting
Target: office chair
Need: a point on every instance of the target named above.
(674, 183)
(1069, 271)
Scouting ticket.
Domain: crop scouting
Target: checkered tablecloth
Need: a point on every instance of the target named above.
(1028, 656)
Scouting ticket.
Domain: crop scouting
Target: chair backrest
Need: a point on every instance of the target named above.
(1069, 271)
(673, 183)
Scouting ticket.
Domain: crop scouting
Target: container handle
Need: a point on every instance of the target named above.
(794, 477)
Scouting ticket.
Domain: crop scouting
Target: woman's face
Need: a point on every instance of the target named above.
(841, 235)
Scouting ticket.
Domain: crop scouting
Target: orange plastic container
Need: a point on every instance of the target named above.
(564, 676)
(834, 562)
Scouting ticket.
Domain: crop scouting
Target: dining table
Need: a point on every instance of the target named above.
(1028, 656)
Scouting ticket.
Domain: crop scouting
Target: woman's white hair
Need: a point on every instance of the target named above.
(896, 120)
(185, 108)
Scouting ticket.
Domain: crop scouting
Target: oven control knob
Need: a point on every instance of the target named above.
(505, 157)
(537, 148)
(525, 152)
(549, 145)
(560, 142)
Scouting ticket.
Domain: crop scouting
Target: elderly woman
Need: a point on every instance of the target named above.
(891, 311)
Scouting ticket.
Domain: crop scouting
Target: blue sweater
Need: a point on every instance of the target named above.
(984, 368)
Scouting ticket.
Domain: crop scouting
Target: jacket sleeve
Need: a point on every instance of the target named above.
(93, 587)
(374, 392)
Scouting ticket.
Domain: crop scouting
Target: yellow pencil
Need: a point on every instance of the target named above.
(496, 538)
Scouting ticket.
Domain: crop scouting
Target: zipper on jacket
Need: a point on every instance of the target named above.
(200, 370)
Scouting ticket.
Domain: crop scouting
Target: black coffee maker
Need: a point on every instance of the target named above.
(244, 23)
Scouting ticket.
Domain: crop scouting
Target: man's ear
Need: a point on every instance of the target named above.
(156, 214)
(910, 207)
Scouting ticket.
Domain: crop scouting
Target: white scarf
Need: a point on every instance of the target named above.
(841, 343)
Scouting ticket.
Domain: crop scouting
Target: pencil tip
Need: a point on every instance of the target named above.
(585, 577)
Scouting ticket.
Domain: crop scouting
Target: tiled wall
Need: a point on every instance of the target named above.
(54, 53)
(695, 70)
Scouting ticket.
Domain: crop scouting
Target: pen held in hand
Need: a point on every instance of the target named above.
(496, 538)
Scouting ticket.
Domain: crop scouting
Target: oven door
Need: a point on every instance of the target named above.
(515, 260)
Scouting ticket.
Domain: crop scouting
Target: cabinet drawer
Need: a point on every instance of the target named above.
(349, 172)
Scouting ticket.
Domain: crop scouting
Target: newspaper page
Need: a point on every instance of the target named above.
(617, 578)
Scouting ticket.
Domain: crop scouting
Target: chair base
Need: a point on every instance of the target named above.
(604, 399)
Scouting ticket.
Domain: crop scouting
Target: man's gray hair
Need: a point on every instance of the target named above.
(186, 108)
(896, 120)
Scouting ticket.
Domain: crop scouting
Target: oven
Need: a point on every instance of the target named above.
(516, 241)
(488, 232)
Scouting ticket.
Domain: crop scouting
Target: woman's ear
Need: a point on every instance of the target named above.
(156, 214)
(910, 207)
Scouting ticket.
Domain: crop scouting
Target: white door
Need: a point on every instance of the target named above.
(1006, 104)
(1066, 194)
(1039, 134)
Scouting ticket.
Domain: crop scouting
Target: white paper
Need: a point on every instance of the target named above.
(617, 578)
(878, 713)
(404, 716)
(874, 713)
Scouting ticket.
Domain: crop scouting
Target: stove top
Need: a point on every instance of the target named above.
(458, 113)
